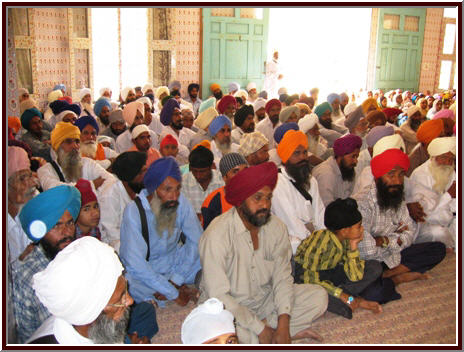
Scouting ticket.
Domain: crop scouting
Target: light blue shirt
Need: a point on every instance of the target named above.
(168, 259)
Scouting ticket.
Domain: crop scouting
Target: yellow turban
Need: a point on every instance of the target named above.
(367, 103)
(429, 130)
(62, 131)
(292, 139)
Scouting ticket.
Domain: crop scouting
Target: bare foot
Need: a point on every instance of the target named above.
(407, 277)
(307, 333)
(397, 270)
(371, 305)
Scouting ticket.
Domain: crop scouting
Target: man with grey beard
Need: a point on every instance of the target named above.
(434, 187)
(220, 130)
(158, 265)
(67, 165)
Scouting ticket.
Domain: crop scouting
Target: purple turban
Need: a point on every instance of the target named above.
(346, 144)
(378, 132)
(159, 171)
(168, 109)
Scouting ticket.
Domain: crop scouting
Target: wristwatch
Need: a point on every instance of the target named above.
(350, 299)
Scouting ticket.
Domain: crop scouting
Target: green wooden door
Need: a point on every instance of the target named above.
(234, 50)
(400, 36)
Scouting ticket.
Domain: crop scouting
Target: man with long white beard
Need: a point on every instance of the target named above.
(89, 148)
(67, 165)
(85, 102)
(158, 266)
(220, 130)
(317, 151)
(434, 187)
(337, 113)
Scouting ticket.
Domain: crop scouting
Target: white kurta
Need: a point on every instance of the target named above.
(64, 332)
(271, 78)
(265, 127)
(295, 211)
(124, 141)
(237, 134)
(17, 238)
(218, 154)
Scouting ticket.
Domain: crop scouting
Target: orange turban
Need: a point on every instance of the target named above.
(292, 139)
(429, 130)
(214, 86)
(386, 161)
(15, 123)
(367, 103)
(204, 143)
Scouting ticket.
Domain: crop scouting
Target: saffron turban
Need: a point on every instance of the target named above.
(128, 165)
(234, 86)
(42, 212)
(291, 140)
(125, 92)
(62, 131)
(54, 95)
(242, 113)
(83, 92)
(204, 143)
(168, 110)
(441, 146)
(378, 132)
(287, 111)
(347, 144)
(160, 90)
(77, 285)
(218, 123)
(208, 103)
(395, 141)
(322, 108)
(259, 104)
(17, 160)
(284, 128)
(85, 189)
(15, 123)
(214, 87)
(168, 140)
(332, 97)
(225, 102)
(249, 181)
(368, 103)
(383, 163)
(429, 130)
(252, 142)
(27, 116)
(271, 103)
(205, 117)
(390, 112)
(83, 121)
(158, 171)
(207, 321)
(307, 122)
(443, 114)
(130, 111)
(100, 103)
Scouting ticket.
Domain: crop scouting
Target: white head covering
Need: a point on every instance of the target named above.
(125, 92)
(161, 90)
(22, 91)
(207, 321)
(349, 108)
(307, 122)
(145, 100)
(54, 95)
(442, 145)
(78, 284)
(146, 87)
(114, 105)
(139, 130)
(83, 92)
(259, 103)
(108, 139)
(389, 142)
(412, 110)
(204, 119)
(242, 94)
(62, 114)
(250, 86)
(282, 90)
(186, 106)
(287, 111)
(105, 89)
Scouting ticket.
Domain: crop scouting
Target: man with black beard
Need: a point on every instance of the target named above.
(389, 231)
(158, 265)
(117, 125)
(268, 125)
(244, 122)
(48, 220)
(296, 199)
(410, 127)
(336, 175)
(85, 291)
(245, 255)
(193, 90)
(129, 168)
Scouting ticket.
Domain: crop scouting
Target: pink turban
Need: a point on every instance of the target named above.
(347, 144)
(130, 111)
(17, 160)
(271, 103)
(444, 114)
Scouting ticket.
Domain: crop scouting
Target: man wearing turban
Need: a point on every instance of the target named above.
(64, 111)
(216, 90)
(337, 114)
(157, 266)
(227, 106)
(317, 149)
(244, 122)
(259, 106)
(36, 136)
(255, 148)
(47, 219)
(245, 255)
(296, 200)
(67, 166)
(389, 231)
(202, 122)
(434, 187)
(142, 143)
(116, 126)
(410, 127)
(127, 96)
(221, 144)
(85, 102)
(268, 125)
(102, 109)
(329, 131)
(336, 175)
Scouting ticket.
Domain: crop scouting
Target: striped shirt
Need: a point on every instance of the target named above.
(323, 251)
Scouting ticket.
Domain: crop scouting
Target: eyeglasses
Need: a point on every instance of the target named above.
(124, 299)
(62, 225)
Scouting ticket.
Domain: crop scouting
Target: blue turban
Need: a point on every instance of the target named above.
(211, 102)
(58, 106)
(218, 123)
(27, 116)
(99, 104)
(60, 86)
(41, 213)
(158, 171)
(322, 108)
(282, 129)
(332, 97)
(233, 87)
(83, 121)
(168, 109)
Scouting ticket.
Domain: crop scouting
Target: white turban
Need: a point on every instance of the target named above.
(137, 131)
(442, 145)
(282, 90)
(102, 138)
(389, 142)
(62, 114)
(161, 90)
(204, 119)
(412, 110)
(349, 108)
(307, 122)
(186, 106)
(242, 94)
(207, 321)
(105, 89)
(77, 285)
(259, 103)
(250, 86)
(125, 92)
(114, 105)
(54, 95)
(145, 100)
(83, 92)
(22, 91)
(287, 111)
(146, 87)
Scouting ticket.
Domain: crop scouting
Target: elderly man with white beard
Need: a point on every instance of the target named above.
(85, 102)
(67, 165)
(434, 187)
(317, 150)
(220, 130)
(337, 113)
(89, 148)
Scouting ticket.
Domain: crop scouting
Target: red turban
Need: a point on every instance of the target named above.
(86, 191)
(68, 99)
(271, 103)
(249, 181)
(168, 140)
(386, 161)
(390, 112)
(224, 102)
